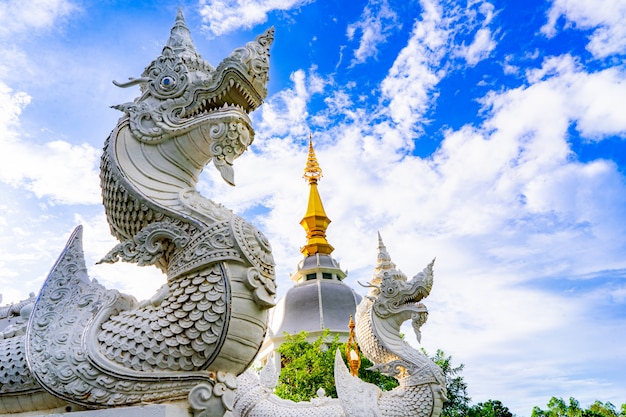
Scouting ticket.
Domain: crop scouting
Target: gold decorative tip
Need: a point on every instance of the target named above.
(312, 171)
(352, 350)
(315, 220)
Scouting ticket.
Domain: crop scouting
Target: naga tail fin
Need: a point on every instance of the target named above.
(66, 305)
(357, 398)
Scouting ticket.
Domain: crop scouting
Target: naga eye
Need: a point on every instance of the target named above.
(167, 82)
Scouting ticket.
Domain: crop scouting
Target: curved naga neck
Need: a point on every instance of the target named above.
(160, 172)
(165, 174)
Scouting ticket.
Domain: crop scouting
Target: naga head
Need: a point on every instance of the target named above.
(182, 93)
(396, 298)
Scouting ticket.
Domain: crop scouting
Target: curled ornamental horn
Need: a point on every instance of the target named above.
(131, 81)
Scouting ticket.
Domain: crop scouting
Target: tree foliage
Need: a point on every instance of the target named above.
(490, 408)
(557, 407)
(307, 367)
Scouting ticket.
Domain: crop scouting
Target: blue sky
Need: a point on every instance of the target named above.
(489, 134)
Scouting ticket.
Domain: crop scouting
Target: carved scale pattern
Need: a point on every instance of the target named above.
(409, 402)
(125, 214)
(369, 344)
(14, 373)
(180, 334)
(55, 340)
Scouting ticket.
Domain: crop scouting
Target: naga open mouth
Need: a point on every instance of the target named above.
(233, 91)
(408, 301)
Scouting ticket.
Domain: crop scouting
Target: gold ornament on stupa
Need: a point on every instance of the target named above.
(315, 222)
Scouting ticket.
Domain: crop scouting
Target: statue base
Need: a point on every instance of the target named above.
(154, 410)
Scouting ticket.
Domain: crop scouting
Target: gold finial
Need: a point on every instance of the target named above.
(315, 222)
(312, 170)
(352, 351)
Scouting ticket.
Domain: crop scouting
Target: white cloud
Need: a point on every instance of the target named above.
(17, 17)
(223, 16)
(513, 180)
(594, 99)
(478, 14)
(410, 82)
(286, 112)
(59, 171)
(18, 64)
(511, 186)
(377, 20)
(605, 17)
(410, 86)
(480, 48)
(11, 106)
(517, 175)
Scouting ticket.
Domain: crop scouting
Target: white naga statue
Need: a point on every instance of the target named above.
(391, 301)
(78, 344)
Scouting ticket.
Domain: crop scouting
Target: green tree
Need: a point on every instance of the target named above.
(558, 408)
(600, 409)
(307, 367)
(490, 408)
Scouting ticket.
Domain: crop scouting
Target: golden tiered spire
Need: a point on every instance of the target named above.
(312, 170)
(315, 222)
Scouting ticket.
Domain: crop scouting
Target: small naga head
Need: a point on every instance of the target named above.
(183, 93)
(396, 298)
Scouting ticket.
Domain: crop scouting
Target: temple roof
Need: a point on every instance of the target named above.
(314, 306)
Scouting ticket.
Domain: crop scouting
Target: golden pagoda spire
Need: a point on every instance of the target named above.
(315, 222)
